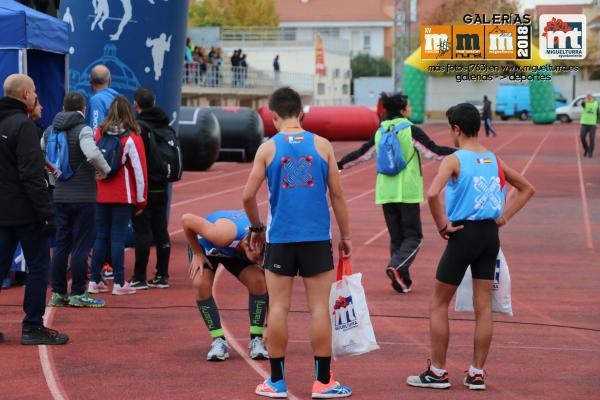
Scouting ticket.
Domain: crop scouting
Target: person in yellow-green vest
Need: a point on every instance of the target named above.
(400, 195)
(589, 118)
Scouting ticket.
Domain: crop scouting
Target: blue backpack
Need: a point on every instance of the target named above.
(110, 146)
(57, 154)
(390, 160)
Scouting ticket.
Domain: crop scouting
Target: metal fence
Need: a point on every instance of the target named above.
(243, 78)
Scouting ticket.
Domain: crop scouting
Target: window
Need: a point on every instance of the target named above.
(321, 88)
(367, 42)
(345, 88)
(336, 73)
(349, 73)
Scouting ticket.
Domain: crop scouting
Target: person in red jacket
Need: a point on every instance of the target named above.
(119, 196)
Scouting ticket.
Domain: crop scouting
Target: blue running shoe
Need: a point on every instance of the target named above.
(331, 390)
(275, 390)
(85, 300)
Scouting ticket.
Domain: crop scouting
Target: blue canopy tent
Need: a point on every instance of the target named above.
(35, 44)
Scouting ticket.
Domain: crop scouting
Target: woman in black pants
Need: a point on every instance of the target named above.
(400, 195)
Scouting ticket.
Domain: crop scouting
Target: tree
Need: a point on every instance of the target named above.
(233, 13)
(365, 65)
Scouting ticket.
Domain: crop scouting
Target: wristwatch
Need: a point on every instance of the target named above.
(260, 229)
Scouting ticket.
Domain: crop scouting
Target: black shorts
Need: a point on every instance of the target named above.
(235, 265)
(302, 258)
(477, 245)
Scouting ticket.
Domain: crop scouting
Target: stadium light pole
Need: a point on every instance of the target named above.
(402, 31)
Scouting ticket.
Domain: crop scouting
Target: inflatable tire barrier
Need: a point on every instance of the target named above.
(337, 123)
(242, 132)
(200, 137)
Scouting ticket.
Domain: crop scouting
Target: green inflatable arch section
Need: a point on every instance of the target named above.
(541, 91)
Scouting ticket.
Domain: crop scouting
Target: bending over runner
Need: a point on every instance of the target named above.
(475, 208)
(300, 167)
(222, 238)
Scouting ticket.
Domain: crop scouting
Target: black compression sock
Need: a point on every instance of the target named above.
(277, 366)
(322, 369)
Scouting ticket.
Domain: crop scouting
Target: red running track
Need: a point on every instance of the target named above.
(152, 345)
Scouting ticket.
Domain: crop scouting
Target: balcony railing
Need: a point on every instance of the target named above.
(244, 79)
(257, 33)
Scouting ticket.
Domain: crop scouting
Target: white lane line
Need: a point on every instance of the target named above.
(584, 203)
(47, 362)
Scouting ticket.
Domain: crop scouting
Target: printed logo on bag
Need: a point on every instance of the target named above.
(344, 316)
(562, 37)
(496, 284)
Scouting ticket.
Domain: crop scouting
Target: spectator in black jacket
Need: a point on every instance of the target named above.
(487, 117)
(152, 222)
(26, 215)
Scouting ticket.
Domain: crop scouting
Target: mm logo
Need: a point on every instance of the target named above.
(562, 37)
(501, 42)
(344, 317)
(436, 42)
(468, 42)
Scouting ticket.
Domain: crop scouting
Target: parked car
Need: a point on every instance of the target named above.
(512, 100)
(572, 111)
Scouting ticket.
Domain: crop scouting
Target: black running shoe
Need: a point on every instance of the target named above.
(160, 282)
(429, 379)
(138, 285)
(42, 335)
(475, 382)
(398, 283)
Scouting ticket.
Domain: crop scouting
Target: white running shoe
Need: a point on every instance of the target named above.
(119, 290)
(218, 350)
(100, 287)
(258, 350)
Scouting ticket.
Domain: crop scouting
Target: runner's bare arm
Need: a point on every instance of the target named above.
(192, 227)
(448, 168)
(336, 194)
(255, 180)
(524, 192)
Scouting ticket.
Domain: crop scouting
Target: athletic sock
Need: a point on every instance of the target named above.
(438, 371)
(474, 371)
(277, 367)
(322, 366)
(257, 308)
(210, 315)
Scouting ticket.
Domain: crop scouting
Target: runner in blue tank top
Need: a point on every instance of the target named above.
(221, 238)
(300, 168)
(475, 208)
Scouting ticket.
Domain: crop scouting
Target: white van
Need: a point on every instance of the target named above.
(572, 111)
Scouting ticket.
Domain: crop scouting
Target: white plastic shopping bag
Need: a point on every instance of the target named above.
(501, 302)
(352, 331)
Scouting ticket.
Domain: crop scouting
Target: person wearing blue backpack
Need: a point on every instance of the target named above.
(121, 195)
(76, 161)
(399, 187)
